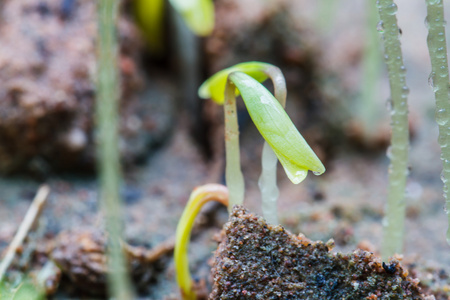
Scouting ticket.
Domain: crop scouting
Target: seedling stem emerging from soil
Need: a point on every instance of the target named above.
(198, 198)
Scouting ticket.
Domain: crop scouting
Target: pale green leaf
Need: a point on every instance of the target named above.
(277, 129)
(214, 87)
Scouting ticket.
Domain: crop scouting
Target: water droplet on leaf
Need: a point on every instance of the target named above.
(380, 27)
(391, 9)
(431, 79)
(441, 116)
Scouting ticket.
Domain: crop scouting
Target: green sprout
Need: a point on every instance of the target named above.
(269, 117)
(437, 47)
(283, 142)
(393, 227)
(198, 198)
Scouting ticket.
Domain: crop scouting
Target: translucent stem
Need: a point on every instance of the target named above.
(398, 152)
(367, 107)
(439, 78)
(198, 198)
(107, 106)
(268, 180)
(233, 173)
(268, 184)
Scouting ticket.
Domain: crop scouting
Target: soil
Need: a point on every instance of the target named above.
(257, 260)
(346, 203)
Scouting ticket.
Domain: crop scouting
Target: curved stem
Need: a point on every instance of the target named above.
(279, 84)
(268, 180)
(198, 198)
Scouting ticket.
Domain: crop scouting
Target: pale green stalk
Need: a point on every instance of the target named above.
(107, 120)
(268, 184)
(199, 196)
(368, 109)
(398, 152)
(439, 78)
(233, 173)
(268, 180)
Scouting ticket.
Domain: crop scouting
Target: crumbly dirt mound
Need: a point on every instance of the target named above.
(47, 76)
(256, 260)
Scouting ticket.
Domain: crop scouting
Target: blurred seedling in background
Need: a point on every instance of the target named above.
(283, 142)
(187, 20)
(198, 16)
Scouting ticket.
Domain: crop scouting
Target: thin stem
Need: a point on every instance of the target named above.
(30, 218)
(198, 198)
(439, 77)
(107, 106)
(268, 180)
(398, 152)
(368, 108)
(233, 173)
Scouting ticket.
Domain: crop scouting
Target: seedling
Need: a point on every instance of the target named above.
(283, 141)
(269, 117)
(198, 198)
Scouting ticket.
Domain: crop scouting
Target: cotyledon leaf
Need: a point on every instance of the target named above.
(277, 129)
(214, 87)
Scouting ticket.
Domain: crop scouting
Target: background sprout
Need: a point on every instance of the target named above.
(269, 117)
(198, 198)
(437, 48)
(150, 14)
(198, 15)
(107, 115)
(398, 152)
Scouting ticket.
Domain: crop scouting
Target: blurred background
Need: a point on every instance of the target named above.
(171, 141)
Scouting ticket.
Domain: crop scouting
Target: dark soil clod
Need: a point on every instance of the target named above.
(256, 260)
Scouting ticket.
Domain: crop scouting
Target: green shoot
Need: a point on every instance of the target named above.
(214, 88)
(198, 198)
(398, 170)
(439, 78)
(107, 106)
(269, 117)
